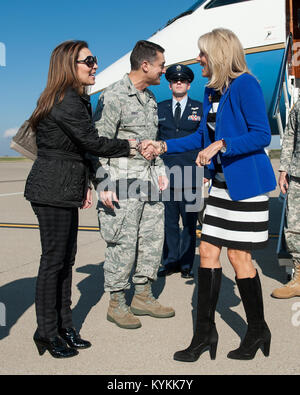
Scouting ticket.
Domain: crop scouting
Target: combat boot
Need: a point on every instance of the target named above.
(144, 303)
(119, 313)
(291, 289)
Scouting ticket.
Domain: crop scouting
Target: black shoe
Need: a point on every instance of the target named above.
(56, 346)
(258, 334)
(207, 340)
(205, 335)
(255, 338)
(168, 270)
(187, 273)
(73, 338)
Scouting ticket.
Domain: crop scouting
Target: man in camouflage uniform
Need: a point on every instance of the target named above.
(131, 222)
(289, 181)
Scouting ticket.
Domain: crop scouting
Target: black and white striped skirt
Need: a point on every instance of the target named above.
(242, 224)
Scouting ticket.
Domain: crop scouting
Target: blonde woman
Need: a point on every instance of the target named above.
(233, 132)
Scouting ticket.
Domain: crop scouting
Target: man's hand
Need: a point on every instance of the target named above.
(163, 182)
(283, 182)
(107, 198)
(150, 149)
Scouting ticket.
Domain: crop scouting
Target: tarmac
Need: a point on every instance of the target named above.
(145, 351)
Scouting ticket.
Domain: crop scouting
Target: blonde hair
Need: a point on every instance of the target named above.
(225, 56)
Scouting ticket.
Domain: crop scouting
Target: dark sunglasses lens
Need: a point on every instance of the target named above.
(179, 79)
(90, 61)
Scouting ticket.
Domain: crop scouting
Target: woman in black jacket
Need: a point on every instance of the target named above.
(58, 184)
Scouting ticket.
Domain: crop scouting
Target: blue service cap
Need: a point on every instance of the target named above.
(179, 71)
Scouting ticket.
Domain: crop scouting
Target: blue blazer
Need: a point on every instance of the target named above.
(189, 123)
(242, 122)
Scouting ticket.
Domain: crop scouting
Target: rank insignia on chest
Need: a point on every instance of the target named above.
(194, 117)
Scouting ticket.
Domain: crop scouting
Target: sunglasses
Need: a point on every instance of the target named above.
(90, 61)
(180, 79)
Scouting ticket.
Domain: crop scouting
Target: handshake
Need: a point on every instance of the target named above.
(150, 149)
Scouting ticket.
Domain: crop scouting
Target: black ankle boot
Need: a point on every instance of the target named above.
(258, 334)
(206, 335)
(73, 338)
(56, 346)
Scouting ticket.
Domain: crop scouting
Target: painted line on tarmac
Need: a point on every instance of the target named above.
(86, 228)
(11, 194)
(5, 181)
(35, 226)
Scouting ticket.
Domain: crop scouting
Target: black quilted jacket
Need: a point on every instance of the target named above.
(61, 172)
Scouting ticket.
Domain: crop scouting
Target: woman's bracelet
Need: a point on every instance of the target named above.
(133, 144)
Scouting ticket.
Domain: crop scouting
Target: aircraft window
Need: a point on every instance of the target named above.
(212, 4)
(196, 5)
(187, 12)
(220, 3)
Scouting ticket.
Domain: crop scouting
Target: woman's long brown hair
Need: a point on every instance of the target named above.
(62, 74)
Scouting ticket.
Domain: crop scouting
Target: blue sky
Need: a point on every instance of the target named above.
(31, 29)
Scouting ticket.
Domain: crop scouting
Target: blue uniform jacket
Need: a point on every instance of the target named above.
(189, 123)
(242, 122)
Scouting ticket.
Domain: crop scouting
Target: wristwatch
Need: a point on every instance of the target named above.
(224, 148)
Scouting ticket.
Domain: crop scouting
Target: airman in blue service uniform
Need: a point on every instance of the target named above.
(175, 121)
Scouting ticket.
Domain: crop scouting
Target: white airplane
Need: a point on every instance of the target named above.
(270, 33)
(263, 27)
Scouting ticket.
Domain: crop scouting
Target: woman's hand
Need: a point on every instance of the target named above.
(88, 201)
(283, 182)
(204, 156)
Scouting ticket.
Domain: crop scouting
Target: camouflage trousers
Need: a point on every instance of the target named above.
(134, 233)
(292, 231)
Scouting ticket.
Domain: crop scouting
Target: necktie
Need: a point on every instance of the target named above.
(177, 113)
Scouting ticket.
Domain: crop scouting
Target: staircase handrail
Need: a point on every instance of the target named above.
(279, 88)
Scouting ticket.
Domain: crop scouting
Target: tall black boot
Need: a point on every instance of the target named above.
(258, 334)
(206, 335)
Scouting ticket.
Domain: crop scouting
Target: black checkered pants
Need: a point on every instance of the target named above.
(58, 232)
